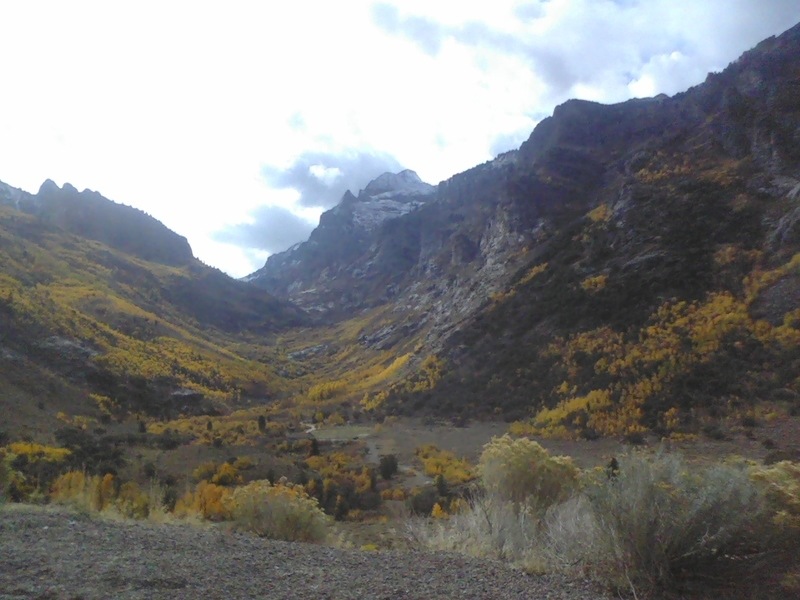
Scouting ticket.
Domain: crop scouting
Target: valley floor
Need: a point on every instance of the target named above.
(51, 553)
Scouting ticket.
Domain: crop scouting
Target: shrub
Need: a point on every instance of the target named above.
(204, 472)
(90, 493)
(522, 472)
(661, 523)
(226, 474)
(207, 500)
(443, 462)
(283, 512)
(388, 466)
(131, 502)
(781, 484)
(488, 527)
(93, 493)
(421, 502)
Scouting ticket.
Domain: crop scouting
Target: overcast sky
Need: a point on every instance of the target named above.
(236, 123)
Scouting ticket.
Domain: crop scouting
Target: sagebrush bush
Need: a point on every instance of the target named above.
(661, 522)
(557, 539)
(523, 472)
(781, 484)
(283, 512)
(656, 524)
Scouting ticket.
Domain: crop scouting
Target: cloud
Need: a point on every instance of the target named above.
(322, 178)
(273, 229)
(605, 50)
(431, 35)
(426, 32)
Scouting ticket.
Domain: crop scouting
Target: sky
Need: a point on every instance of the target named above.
(237, 123)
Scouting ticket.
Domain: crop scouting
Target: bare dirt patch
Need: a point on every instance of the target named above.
(54, 554)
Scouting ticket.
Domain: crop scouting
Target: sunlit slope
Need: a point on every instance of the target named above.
(138, 335)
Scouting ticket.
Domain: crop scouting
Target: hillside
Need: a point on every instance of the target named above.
(106, 313)
(631, 267)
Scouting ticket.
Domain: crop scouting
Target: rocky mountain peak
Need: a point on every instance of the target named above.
(48, 187)
(345, 233)
(403, 183)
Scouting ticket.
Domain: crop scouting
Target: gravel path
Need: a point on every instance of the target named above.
(54, 554)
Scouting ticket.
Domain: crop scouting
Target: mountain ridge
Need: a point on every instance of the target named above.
(605, 216)
(93, 216)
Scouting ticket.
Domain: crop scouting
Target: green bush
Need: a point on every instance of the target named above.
(281, 512)
(421, 501)
(661, 523)
(522, 472)
(388, 466)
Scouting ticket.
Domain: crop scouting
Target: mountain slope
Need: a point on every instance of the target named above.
(613, 231)
(318, 273)
(92, 328)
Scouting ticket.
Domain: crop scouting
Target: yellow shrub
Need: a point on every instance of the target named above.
(325, 391)
(521, 471)
(205, 471)
(438, 512)
(96, 494)
(37, 452)
(335, 419)
(207, 500)
(76, 489)
(132, 502)
(226, 474)
(442, 462)
(594, 284)
(600, 214)
(283, 512)
(393, 494)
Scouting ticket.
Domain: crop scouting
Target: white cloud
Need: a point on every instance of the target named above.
(200, 113)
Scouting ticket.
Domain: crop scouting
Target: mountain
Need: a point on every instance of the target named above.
(105, 309)
(90, 215)
(665, 229)
(630, 268)
(318, 273)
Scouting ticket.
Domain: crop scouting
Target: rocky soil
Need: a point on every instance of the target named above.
(50, 553)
